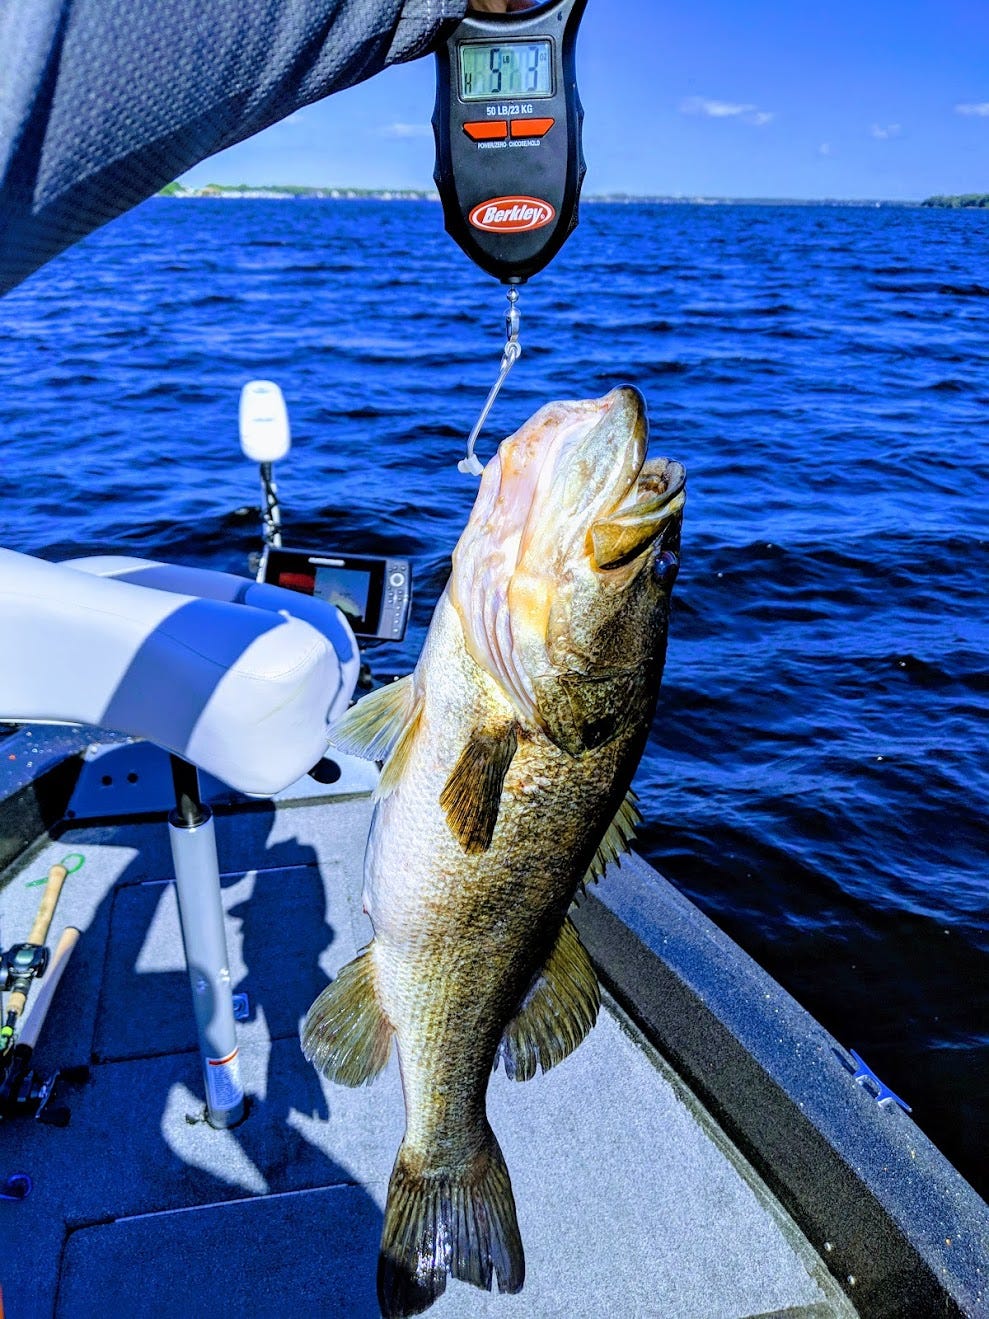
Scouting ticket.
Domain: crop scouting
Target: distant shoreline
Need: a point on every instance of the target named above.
(295, 192)
(961, 201)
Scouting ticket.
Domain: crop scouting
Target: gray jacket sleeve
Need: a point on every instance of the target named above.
(103, 102)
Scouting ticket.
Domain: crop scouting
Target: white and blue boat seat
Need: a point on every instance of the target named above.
(239, 678)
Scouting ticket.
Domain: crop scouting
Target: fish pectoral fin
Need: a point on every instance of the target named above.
(397, 761)
(371, 728)
(617, 838)
(458, 1221)
(556, 1014)
(472, 796)
(346, 1035)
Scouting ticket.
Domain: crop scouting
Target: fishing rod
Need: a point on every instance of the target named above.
(509, 154)
(23, 1092)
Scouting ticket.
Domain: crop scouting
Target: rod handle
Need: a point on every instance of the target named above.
(46, 910)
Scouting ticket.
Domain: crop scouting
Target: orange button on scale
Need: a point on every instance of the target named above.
(486, 130)
(531, 127)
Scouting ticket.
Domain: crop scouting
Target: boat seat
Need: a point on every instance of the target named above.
(237, 677)
(227, 675)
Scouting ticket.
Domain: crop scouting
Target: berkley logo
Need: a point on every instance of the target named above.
(511, 215)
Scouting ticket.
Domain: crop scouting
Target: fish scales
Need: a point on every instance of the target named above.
(479, 926)
(507, 758)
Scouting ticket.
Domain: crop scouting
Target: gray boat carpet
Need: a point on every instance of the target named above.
(627, 1205)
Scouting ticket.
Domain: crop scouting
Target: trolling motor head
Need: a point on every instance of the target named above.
(265, 438)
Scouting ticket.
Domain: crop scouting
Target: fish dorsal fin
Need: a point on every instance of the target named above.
(617, 838)
(472, 795)
(371, 728)
(556, 1014)
(346, 1035)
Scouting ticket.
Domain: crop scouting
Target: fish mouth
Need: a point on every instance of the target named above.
(647, 511)
(652, 483)
(658, 489)
(570, 493)
(575, 474)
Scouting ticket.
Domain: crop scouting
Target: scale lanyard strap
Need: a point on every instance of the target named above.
(470, 465)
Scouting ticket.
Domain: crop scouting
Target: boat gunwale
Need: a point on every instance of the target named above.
(896, 1224)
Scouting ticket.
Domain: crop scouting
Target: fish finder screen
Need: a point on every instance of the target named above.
(511, 68)
(348, 589)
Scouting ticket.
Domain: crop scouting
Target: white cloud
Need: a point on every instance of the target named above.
(884, 131)
(825, 149)
(748, 114)
(406, 130)
(977, 108)
(715, 109)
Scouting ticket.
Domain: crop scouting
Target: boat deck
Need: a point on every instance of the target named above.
(631, 1201)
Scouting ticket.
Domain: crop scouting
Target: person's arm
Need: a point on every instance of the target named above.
(103, 102)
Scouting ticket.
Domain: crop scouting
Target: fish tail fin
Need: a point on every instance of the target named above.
(440, 1222)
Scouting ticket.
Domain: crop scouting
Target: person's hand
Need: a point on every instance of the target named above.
(500, 6)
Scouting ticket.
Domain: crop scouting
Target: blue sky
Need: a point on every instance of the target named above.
(743, 98)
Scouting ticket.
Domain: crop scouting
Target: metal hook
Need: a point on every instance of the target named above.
(470, 465)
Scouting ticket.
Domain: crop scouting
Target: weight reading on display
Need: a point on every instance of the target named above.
(512, 68)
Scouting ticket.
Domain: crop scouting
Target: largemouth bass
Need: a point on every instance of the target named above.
(508, 755)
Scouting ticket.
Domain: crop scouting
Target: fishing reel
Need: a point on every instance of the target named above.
(20, 964)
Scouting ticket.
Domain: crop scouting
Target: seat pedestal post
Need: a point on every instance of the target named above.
(197, 884)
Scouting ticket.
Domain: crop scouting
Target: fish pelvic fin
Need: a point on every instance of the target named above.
(617, 840)
(443, 1221)
(472, 796)
(346, 1035)
(556, 1014)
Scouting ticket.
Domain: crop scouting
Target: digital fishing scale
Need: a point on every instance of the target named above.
(509, 161)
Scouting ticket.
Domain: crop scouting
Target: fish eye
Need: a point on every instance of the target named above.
(665, 568)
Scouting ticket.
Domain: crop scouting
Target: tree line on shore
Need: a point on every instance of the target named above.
(977, 200)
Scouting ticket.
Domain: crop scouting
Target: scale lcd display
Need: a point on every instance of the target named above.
(508, 68)
(349, 590)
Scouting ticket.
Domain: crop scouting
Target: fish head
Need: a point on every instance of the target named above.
(562, 577)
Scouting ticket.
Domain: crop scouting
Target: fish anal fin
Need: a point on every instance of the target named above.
(556, 1014)
(373, 726)
(346, 1035)
(617, 840)
(472, 796)
(458, 1222)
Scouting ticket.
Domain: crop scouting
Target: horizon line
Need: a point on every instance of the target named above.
(291, 191)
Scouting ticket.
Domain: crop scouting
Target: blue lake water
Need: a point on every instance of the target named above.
(816, 779)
